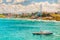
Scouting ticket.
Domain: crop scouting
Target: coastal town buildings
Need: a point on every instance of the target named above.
(36, 15)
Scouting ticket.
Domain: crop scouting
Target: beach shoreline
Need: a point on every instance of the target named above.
(30, 19)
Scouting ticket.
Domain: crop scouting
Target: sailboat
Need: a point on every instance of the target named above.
(45, 32)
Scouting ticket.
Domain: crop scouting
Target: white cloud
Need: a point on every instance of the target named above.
(0, 1)
(50, 7)
(34, 7)
(58, 1)
(11, 8)
(15, 1)
(18, 1)
(8, 0)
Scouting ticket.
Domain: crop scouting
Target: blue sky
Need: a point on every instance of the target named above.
(27, 2)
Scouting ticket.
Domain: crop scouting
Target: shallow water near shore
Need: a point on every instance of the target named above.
(23, 29)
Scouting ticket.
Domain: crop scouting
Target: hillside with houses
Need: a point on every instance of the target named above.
(36, 15)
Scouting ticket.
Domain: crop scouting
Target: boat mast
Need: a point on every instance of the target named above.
(41, 10)
(58, 2)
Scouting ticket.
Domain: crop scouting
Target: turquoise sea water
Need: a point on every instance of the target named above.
(23, 29)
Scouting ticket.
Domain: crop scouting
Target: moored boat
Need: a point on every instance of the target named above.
(42, 33)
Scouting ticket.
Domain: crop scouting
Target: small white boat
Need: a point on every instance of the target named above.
(42, 33)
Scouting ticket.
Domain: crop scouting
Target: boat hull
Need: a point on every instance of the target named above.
(39, 33)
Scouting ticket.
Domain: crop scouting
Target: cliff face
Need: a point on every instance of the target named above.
(51, 16)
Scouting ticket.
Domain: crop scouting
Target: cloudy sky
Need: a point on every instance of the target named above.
(25, 2)
(28, 6)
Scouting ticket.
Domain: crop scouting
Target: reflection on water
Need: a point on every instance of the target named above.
(22, 30)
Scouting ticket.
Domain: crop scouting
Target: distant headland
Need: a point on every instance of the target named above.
(36, 15)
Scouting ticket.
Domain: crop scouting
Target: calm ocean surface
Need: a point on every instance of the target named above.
(22, 30)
